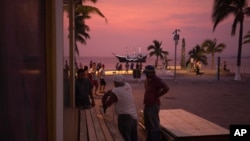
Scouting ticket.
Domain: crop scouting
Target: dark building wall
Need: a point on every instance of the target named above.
(22, 69)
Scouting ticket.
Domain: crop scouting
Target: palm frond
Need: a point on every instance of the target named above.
(157, 43)
(94, 1)
(247, 38)
(221, 13)
(151, 47)
(86, 10)
(223, 8)
(151, 53)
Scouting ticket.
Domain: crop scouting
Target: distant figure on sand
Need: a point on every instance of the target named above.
(127, 67)
(154, 89)
(137, 66)
(192, 65)
(132, 65)
(120, 67)
(102, 80)
(122, 98)
(197, 67)
(117, 67)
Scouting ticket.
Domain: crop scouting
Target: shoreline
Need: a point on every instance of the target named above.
(170, 72)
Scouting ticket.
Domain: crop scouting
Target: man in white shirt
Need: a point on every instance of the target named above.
(102, 80)
(93, 71)
(121, 96)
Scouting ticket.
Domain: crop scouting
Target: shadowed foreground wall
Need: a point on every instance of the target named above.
(22, 71)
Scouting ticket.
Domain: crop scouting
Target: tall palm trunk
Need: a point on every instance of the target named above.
(156, 62)
(237, 73)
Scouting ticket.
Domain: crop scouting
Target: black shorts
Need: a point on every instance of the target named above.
(102, 82)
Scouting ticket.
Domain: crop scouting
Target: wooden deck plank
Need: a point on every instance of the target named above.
(103, 125)
(109, 120)
(70, 123)
(90, 126)
(95, 127)
(178, 124)
(98, 129)
(182, 124)
(83, 126)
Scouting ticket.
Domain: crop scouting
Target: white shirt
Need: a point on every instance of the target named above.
(92, 71)
(101, 73)
(125, 103)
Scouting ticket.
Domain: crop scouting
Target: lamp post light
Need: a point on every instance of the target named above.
(176, 39)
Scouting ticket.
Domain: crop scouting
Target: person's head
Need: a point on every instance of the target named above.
(149, 71)
(85, 67)
(118, 80)
(81, 73)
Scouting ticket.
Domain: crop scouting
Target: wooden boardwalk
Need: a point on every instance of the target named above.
(93, 125)
(89, 125)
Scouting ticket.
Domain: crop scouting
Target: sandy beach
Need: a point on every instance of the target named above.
(223, 101)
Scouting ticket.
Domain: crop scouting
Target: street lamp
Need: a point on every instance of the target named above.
(176, 39)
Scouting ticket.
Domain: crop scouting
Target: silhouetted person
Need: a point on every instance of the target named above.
(154, 89)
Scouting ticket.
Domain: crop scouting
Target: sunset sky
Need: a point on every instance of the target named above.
(134, 24)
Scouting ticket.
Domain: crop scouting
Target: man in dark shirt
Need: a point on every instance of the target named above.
(154, 89)
(83, 97)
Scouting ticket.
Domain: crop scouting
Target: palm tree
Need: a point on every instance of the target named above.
(221, 10)
(156, 50)
(247, 38)
(82, 12)
(211, 47)
(197, 53)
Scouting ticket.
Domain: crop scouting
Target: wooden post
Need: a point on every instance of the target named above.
(72, 52)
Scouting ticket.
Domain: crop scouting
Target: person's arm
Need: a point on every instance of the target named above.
(108, 99)
(163, 89)
(146, 83)
(92, 98)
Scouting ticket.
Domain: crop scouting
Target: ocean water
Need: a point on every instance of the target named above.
(111, 61)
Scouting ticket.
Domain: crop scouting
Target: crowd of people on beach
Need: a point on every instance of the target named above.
(88, 80)
(121, 96)
(131, 66)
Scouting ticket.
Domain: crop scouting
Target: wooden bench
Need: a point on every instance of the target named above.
(95, 126)
(180, 125)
